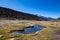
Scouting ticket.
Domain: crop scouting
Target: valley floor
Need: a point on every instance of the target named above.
(50, 32)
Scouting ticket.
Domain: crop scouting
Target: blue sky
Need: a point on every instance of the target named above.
(47, 8)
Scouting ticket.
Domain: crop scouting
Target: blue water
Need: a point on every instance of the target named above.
(27, 30)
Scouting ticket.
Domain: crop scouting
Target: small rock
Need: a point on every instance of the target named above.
(12, 39)
(1, 35)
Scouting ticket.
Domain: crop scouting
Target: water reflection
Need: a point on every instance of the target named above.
(30, 29)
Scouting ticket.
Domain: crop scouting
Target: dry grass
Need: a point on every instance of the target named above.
(47, 33)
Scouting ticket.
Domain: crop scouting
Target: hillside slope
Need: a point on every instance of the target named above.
(7, 13)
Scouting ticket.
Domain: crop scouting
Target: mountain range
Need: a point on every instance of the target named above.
(7, 13)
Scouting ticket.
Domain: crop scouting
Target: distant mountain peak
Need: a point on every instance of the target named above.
(3, 7)
(12, 14)
(8, 13)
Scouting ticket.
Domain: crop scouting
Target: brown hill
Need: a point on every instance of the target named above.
(7, 13)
